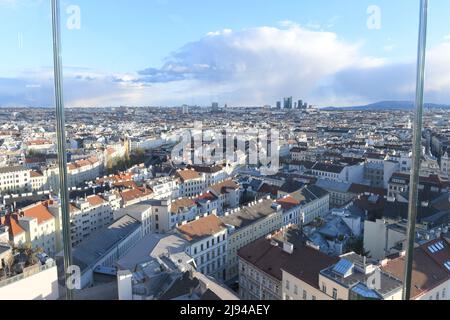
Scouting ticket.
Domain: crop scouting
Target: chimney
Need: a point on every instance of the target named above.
(288, 247)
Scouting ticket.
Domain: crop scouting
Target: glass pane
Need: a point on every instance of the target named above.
(265, 147)
(29, 238)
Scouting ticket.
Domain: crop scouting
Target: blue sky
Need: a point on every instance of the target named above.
(168, 52)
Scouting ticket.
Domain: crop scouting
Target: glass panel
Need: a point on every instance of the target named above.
(282, 128)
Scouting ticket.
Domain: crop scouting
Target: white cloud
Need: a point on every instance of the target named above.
(248, 67)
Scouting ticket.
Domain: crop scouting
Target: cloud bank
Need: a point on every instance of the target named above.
(248, 67)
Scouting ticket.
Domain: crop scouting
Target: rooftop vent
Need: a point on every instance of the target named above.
(288, 247)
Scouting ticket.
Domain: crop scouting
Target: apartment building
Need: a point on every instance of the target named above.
(38, 181)
(248, 224)
(399, 183)
(353, 173)
(78, 172)
(382, 238)
(378, 171)
(91, 214)
(263, 266)
(192, 183)
(142, 212)
(228, 193)
(34, 225)
(445, 164)
(160, 216)
(340, 193)
(213, 174)
(431, 270)
(305, 205)
(207, 238)
(134, 196)
(355, 278)
(84, 170)
(182, 211)
(208, 203)
(165, 188)
(42, 146)
(299, 153)
(15, 179)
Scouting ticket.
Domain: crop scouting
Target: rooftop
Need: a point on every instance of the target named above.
(250, 214)
(201, 228)
(102, 241)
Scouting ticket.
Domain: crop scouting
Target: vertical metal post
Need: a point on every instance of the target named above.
(417, 150)
(61, 136)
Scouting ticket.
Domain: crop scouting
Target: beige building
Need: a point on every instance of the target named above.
(192, 183)
(248, 224)
(91, 214)
(35, 226)
(355, 278)
(15, 179)
(382, 238)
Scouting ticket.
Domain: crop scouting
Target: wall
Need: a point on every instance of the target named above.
(41, 286)
(301, 285)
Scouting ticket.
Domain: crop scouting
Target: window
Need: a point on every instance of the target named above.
(305, 295)
(287, 285)
(335, 294)
(324, 288)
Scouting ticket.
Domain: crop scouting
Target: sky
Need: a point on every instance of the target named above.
(239, 52)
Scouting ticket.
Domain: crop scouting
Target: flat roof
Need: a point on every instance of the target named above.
(101, 242)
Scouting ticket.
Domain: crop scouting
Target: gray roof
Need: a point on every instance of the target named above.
(12, 169)
(333, 168)
(135, 208)
(151, 247)
(248, 215)
(333, 185)
(309, 194)
(93, 248)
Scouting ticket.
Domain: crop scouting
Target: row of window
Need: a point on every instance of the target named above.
(209, 244)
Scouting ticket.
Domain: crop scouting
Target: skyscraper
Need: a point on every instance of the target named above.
(288, 103)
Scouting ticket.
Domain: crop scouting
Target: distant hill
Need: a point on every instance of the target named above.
(389, 105)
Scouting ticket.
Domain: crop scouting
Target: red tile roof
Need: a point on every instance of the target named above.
(288, 202)
(95, 200)
(202, 228)
(179, 204)
(11, 220)
(187, 175)
(428, 268)
(38, 211)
